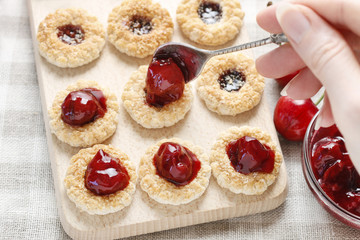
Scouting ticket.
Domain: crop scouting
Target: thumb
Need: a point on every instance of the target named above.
(321, 47)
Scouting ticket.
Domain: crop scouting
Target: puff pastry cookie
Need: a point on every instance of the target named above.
(139, 27)
(166, 192)
(87, 200)
(229, 84)
(91, 133)
(253, 183)
(210, 22)
(133, 98)
(70, 37)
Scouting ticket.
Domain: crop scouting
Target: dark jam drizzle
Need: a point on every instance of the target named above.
(83, 106)
(334, 170)
(210, 12)
(248, 155)
(164, 82)
(71, 34)
(140, 25)
(232, 80)
(176, 163)
(105, 174)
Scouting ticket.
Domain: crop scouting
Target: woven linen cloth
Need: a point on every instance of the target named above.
(27, 198)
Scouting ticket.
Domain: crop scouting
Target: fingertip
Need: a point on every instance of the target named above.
(259, 65)
(304, 85)
(266, 19)
(279, 62)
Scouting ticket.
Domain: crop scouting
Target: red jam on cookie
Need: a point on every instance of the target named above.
(232, 80)
(334, 170)
(83, 106)
(71, 34)
(140, 25)
(210, 12)
(176, 163)
(248, 155)
(105, 174)
(164, 82)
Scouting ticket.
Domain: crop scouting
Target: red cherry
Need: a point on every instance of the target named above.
(322, 132)
(286, 79)
(337, 176)
(351, 202)
(164, 82)
(248, 155)
(325, 152)
(292, 117)
(176, 163)
(105, 174)
(83, 106)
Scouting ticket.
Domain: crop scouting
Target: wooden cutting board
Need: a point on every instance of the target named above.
(200, 126)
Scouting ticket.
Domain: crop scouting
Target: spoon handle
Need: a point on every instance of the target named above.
(274, 38)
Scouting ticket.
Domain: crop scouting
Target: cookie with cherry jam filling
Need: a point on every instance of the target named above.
(101, 180)
(70, 37)
(245, 160)
(151, 109)
(229, 84)
(210, 22)
(174, 171)
(84, 114)
(138, 27)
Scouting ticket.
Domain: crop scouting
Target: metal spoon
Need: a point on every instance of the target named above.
(192, 59)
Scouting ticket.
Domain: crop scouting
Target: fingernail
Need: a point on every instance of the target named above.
(294, 24)
(291, 90)
(284, 90)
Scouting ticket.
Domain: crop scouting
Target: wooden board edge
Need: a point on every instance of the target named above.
(44, 110)
(165, 223)
(178, 221)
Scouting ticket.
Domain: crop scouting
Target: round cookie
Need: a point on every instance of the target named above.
(134, 100)
(166, 192)
(70, 37)
(91, 133)
(139, 27)
(210, 22)
(220, 78)
(84, 198)
(254, 183)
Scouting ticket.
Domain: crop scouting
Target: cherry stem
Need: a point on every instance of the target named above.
(320, 99)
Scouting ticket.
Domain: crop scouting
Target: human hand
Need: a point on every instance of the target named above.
(325, 44)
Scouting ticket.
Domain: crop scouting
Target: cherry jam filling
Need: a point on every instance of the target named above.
(71, 34)
(140, 25)
(164, 82)
(248, 155)
(83, 106)
(232, 80)
(210, 12)
(105, 174)
(334, 170)
(176, 163)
